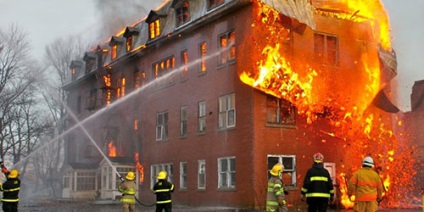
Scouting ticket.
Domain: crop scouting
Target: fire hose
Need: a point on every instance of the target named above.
(136, 199)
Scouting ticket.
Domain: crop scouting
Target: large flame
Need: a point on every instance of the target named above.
(139, 167)
(342, 94)
(112, 149)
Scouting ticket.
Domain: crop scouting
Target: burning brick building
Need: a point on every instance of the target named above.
(216, 92)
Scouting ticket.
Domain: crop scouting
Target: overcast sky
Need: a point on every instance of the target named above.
(46, 20)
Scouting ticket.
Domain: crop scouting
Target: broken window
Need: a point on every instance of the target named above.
(91, 100)
(154, 29)
(214, 3)
(202, 51)
(227, 111)
(280, 111)
(227, 47)
(129, 43)
(137, 76)
(227, 172)
(114, 51)
(289, 163)
(162, 126)
(183, 121)
(326, 49)
(162, 68)
(201, 127)
(120, 92)
(182, 12)
(184, 64)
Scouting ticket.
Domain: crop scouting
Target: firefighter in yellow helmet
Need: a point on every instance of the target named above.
(10, 190)
(275, 200)
(128, 189)
(163, 190)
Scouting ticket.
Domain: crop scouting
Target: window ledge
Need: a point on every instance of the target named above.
(281, 126)
(227, 189)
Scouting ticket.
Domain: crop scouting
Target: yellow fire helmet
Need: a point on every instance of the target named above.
(13, 174)
(162, 175)
(277, 169)
(130, 176)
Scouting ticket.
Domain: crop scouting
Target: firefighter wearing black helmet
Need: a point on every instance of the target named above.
(10, 190)
(317, 186)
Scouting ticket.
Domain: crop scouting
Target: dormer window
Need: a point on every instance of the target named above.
(130, 34)
(115, 46)
(182, 12)
(214, 3)
(154, 29)
(90, 59)
(76, 68)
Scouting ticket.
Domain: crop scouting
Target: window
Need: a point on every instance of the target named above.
(289, 162)
(137, 76)
(114, 51)
(155, 169)
(184, 64)
(227, 47)
(183, 175)
(164, 67)
(227, 172)
(214, 3)
(183, 121)
(202, 117)
(120, 92)
(326, 49)
(202, 50)
(91, 100)
(143, 78)
(201, 174)
(280, 111)
(129, 43)
(79, 104)
(162, 126)
(86, 180)
(227, 111)
(154, 29)
(182, 12)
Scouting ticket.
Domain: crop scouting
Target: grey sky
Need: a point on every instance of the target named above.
(46, 20)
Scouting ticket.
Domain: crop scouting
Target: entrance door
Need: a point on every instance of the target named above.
(331, 167)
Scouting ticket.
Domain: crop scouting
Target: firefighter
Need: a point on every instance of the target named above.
(128, 189)
(366, 186)
(10, 189)
(163, 190)
(275, 201)
(317, 186)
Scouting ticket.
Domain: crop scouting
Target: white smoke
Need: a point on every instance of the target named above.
(116, 15)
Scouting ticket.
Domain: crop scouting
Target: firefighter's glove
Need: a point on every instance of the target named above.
(281, 202)
(302, 197)
(379, 200)
(286, 192)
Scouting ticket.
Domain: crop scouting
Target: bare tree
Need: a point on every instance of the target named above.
(16, 77)
(58, 58)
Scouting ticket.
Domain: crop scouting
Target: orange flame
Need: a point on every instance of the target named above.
(139, 167)
(112, 149)
(344, 198)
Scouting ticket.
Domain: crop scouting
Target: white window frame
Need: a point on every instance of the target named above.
(156, 168)
(201, 174)
(201, 127)
(230, 174)
(183, 121)
(161, 126)
(183, 175)
(291, 171)
(227, 111)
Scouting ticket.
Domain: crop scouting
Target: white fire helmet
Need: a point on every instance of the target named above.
(368, 161)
